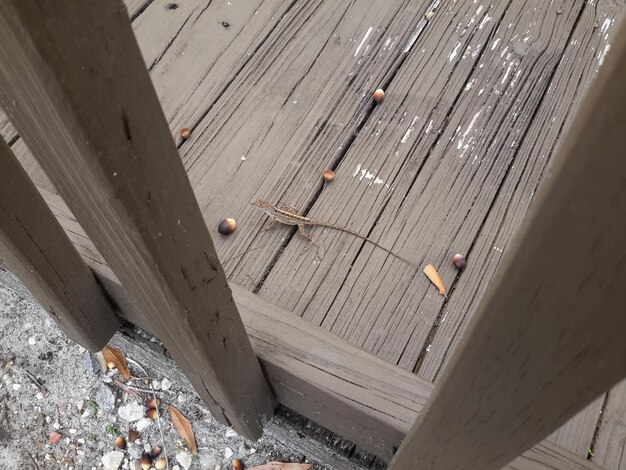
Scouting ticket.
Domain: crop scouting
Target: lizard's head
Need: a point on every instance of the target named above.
(263, 205)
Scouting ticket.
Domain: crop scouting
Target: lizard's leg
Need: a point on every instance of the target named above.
(273, 223)
(310, 242)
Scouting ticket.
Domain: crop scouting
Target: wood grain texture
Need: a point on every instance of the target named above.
(408, 398)
(535, 352)
(111, 156)
(610, 446)
(34, 246)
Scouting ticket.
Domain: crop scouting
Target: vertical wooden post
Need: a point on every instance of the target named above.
(36, 249)
(73, 82)
(548, 337)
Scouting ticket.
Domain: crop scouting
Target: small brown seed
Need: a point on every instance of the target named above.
(185, 132)
(459, 261)
(161, 463)
(328, 174)
(146, 461)
(133, 435)
(153, 403)
(152, 413)
(227, 226)
(379, 95)
(156, 451)
(237, 465)
(120, 442)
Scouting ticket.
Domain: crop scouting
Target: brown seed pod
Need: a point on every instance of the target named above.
(328, 174)
(161, 463)
(227, 226)
(120, 442)
(237, 465)
(156, 451)
(152, 413)
(133, 435)
(185, 132)
(459, 261)
(379, 95)
(153, 403)
(146, 461)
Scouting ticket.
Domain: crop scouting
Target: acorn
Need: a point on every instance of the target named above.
(152, 413)
(459, 261)
(161, 463)
(328, 175)
(153, 403)
(379, 95)
(120, 442)
(133, 435)
(237, 465)
(227, 226)
(146, 461)
(156, 451)
(185, 133)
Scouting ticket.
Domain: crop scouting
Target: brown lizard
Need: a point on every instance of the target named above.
(289, 216)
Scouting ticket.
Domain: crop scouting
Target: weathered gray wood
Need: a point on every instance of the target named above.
(92, 119)
(610, 446)
(536, 351)
(384, 389)
(34, 246)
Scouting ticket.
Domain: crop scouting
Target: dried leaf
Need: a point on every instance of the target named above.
(434, 277)
(183, 426)
(282, 466)
(118, 359)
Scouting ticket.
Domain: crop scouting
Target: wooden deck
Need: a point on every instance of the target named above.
(275, 91)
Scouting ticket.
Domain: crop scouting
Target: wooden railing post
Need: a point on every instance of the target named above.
(73, 82)
(548, 337)
(36, 249)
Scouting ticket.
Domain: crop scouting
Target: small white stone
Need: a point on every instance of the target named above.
(32, 340)
(56, 425)
(156, 384)
(131, 411)
(112, 460)
(17, 386)
(80, 404)
(143, 424)
(181, 398)
(184, 459)
(253, 450)
(73, 431)
(218, 467)
(231, 433)
(80, 441)
(228, 452)
(39, 396)
(166, 384)
(147, 448)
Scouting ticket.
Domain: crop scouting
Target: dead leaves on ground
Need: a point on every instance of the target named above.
(183, 426)
(117, 358)
(282, 466)
(433, 275)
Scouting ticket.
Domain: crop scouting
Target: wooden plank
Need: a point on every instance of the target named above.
(575, 72)
(135, 7)
(382, 392)
(442, 141)
(111, 156)
(535, 352)
(610, 445)
(34, 246)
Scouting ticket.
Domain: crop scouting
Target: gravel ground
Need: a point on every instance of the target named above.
(49, 387)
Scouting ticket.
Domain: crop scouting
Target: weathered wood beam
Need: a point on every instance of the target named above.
(34, 246)
(366, 400)
(73, 82)
(548, 337)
